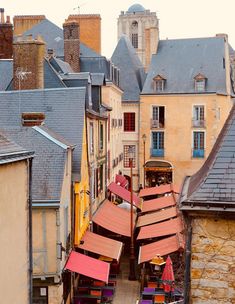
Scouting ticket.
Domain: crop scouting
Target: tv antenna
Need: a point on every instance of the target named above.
(78, 8)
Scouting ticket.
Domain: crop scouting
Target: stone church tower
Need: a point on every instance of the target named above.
(142, 28)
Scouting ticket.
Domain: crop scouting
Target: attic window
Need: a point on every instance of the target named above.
(200, 83)
(159, 83)
(30, 119)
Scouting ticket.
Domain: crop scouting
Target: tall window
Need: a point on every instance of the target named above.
(198, 116)
(101, 136)
(158, 117)
(129, 122)
(159, 83)
(101, 178)
(134, 34)
(198, 144)
(91, 138)
(157, 144)
(200, 83)
(126, 161)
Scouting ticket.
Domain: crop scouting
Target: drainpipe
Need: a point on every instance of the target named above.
(30, 160)
(187, 262)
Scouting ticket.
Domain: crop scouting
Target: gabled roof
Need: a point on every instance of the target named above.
(181, 59)
(60, 66)
(55, 103)
(6, 73)
(132, 74)
(49, 161)
(212, 187)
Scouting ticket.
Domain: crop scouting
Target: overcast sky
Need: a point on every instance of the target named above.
(178, 18)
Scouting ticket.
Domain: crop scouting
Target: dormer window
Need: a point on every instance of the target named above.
(200, 83)
(159, 83)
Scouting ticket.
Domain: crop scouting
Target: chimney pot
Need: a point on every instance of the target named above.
(8, 19)
(2, 20)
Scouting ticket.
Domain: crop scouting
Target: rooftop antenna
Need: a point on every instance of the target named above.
(79, 7)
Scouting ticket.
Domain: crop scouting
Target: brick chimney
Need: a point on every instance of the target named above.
(72, 44)
(6, 36)
(28, 63)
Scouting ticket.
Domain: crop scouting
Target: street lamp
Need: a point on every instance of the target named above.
(144, 137)
(132, 277)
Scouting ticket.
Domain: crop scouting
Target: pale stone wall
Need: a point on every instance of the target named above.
(212, 261)
(55, 294)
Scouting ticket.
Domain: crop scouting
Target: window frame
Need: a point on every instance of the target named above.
(129, 123)
(126, 161)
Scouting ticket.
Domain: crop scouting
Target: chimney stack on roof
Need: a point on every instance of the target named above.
(6, 36)
(2, 20)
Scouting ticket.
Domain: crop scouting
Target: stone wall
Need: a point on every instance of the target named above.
(213, 261)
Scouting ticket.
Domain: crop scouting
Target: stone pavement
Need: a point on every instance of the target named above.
(127, 292)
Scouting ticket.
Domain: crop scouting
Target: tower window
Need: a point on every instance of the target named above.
(134, 34)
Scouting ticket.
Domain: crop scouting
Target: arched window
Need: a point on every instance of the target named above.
(134, 34)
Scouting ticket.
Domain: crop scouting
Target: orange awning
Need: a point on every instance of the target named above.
(113, 218)
(158, 216)
(101, 245)
(124, 194)
(121, 180)
(161, 229)
(158, 190)
(88, 266)
(162, 248)
(158, 203)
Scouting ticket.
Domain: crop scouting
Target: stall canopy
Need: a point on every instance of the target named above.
(113, 218)
(159, 190)
(121, 180)
(124, 194)
(161, 229)
(158, 203)
(88, 266)
(163, 247)
(155, 217)
(101, 245)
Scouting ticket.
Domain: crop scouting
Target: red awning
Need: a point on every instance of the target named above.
(121, 180)
(163, 247)
(124, 194)
(158, 203)
(88, 266)
(113, 218)
(162, 189)
(158, 216)
(101, 245)
(161, 229)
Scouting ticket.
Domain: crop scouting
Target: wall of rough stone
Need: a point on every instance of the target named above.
(213, 261)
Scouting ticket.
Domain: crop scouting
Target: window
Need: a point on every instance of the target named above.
(91, 138)
(198, 116)
(101, 178)
(159, 83)
(158, 117)
(101, 137)
(134, 34)
(129, 122)
(200, 83)
(126, 156)
(157, 144)
(198, 144)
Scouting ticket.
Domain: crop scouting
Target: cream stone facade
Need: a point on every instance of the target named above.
(212, 261)
(14, 219)
(112, 96)
(178, 130)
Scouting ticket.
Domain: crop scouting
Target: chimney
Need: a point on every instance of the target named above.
(28, 63)
(26, 22)
(72, 44)
(6, 36)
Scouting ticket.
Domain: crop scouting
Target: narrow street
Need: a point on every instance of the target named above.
(126, 291)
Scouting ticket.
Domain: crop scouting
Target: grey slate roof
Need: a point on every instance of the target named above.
(6, 73)
(60, 66)
(64, 109)
(180, 60)
(97, 79)
(214, 182)
(48, 164)
(136, 8)
(132, 74)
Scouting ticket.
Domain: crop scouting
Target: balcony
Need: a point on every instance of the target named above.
(156, 124)
(198, 153)
(157, 152)
(198, 123)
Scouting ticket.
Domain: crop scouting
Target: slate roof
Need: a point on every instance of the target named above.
(180, 60)
(132, 74)
(213, 185)
(6, 73)
(49, 161)
(64, 109)
(60, 66)
(136, 8)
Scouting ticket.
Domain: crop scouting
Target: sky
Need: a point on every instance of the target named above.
(177, 18)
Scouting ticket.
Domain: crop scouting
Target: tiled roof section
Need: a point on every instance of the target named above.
(95, 65)
(132, 75)
(55, 103)
(60, 66)
(97, 79)
(6, 73)
(51, 78)
(48, 164)
(181, 60)
(214, 183)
